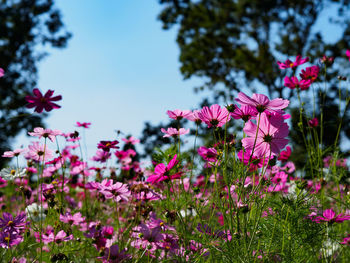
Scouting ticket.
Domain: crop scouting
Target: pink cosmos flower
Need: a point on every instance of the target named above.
(101, 156)
(310, 73)
(289, 64)
(74, 220)
(215, 116)
(328, 61)
(84, 124)
(173, 132)
(46, 133)
(36, 152)
(178, 114)
(262, 102)
(284, 156)
(347, 53)
(13, 153)
(2, 72)
(208, 154)
(270, 136)
(313, 122)
(294, 83)
(131, 140)
(245, 113)
(195, 117)
(330, 216)
(346, 240)
(8, 239)
(41, 102)
(58, 238)
(162, 172)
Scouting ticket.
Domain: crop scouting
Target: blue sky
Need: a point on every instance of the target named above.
(119, 70)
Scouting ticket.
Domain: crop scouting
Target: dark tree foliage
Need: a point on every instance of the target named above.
(234, 44)
(26, 26)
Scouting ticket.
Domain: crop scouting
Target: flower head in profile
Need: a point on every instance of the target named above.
(162, 172)
(262, 102)
(330, 216)
(289, 64)
(178, 114)
(245, 113)
(85, 125)
(2, 72)
(46, 133)
(195, 117)
(270, 139)
(40, 102)
(294, 83)
(173, 132)
(131, 140)
(284, 156)
(9, 174)
(347, 53)
(215, 116)
(13, 153)
(107, 145)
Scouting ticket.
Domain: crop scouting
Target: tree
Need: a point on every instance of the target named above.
(234, 44)
(26, 26)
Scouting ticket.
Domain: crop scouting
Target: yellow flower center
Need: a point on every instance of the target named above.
(13, 172)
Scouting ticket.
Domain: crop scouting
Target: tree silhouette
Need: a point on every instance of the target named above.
(26, 26)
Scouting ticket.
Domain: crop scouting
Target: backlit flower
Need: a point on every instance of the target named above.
(310, 73)
(107, 145)
(215, 116)
(46, 133)
(289, 64)
(262, 102)
(83, 124)
(173, 132)
(294, 83)
(178, 114)
(41, 102)
(270, 139)
(162, 172)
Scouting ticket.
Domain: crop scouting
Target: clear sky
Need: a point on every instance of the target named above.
(119, 70)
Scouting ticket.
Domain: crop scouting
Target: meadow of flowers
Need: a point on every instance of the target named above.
(235, 199)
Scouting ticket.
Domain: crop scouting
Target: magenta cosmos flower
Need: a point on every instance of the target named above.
(245, 113)
(2, 72)
(178, 114)
(41, 102)
(173, 132)
(270, 136)
(294, 83)
(289, 64)
(83, 124)
(330, 216)
(310, 73)
(215, 116)
(162, 172)
(107, 145)
(347, 53)
(262, 102)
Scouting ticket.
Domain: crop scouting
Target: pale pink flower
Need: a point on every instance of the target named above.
(270, 136)
(131, 140)
(38, 152)
(195, 117)
(262, 102)
(178, 114)
(13, 153)
(46, 133)
(173, 132)
(215, 116)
